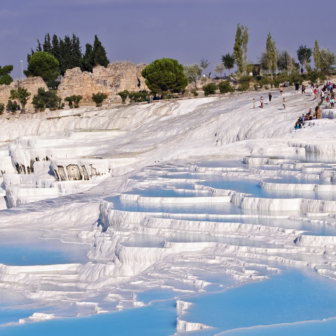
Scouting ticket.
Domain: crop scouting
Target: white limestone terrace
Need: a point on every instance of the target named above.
(88, 177)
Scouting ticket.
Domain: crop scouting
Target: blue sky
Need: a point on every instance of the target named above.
(142, 31)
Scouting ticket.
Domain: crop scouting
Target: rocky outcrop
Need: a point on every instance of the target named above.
(32, 84)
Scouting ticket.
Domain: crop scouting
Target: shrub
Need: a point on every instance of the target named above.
(244, 82)
(21, 95)
(209, 89)
(138, 96)
(164, 75)
(69, 100)
(166, 95)
(12, 106)
(266, 87)
(98, 98)
(123, 94)
(73, 99)
(225, 87)
(44, 65)
(194, 92)
(263, 81)
(47, 99)
(255, 87)
(2, 108)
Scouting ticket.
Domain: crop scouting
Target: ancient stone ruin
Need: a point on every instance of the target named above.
(118, 76)
(32, 84)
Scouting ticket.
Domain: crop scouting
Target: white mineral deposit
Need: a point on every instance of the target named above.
(201, 204)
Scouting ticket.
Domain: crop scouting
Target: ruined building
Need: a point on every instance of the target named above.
(118, 76)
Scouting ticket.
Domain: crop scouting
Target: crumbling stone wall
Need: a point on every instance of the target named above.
(32, 84)
(118, 76)
(76, 82)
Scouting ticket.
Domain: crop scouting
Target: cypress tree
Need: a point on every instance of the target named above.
(55, 49)
(245, 39)
(87, 62)
(237, 49)
(39, 47)
(317, 56)
(99, 53)
(47, 44)
(272, 55)
(76, 51)
(65, 54)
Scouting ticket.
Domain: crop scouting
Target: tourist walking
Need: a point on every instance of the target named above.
(270, 97)
(253, 103)
(284, 103)
(261, 102)
(281, 90)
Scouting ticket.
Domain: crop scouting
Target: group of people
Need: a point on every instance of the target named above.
(270, 99)
(309, 116)
(326, 94)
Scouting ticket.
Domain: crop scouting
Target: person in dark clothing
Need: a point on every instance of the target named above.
(270, 97)
(297, 124)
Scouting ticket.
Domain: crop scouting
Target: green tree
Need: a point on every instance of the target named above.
(238, 50)
(313, 76)
(204, 63)
(164, 75)
(272, 55)
(219, 68)
(228, 61)
(44, 65)
(317, 56)
(87, 62)
(209, 89)
(193, 72)
(5, 78)
(21, 95)
(76, 52)
(327, 60)
(245, 39)
(304, 56)
(55, 50)
(2, 108)
(98, 98)
(47, 44)
(66, 61)
(53, 84)
(47, 99)
(285, 61)
(99, 53)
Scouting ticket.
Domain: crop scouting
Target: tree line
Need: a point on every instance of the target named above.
(272, 61)
(68, 53)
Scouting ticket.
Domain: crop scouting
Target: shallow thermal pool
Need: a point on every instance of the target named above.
(172, 259)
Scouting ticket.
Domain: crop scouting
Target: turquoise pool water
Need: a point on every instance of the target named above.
(26, 248)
